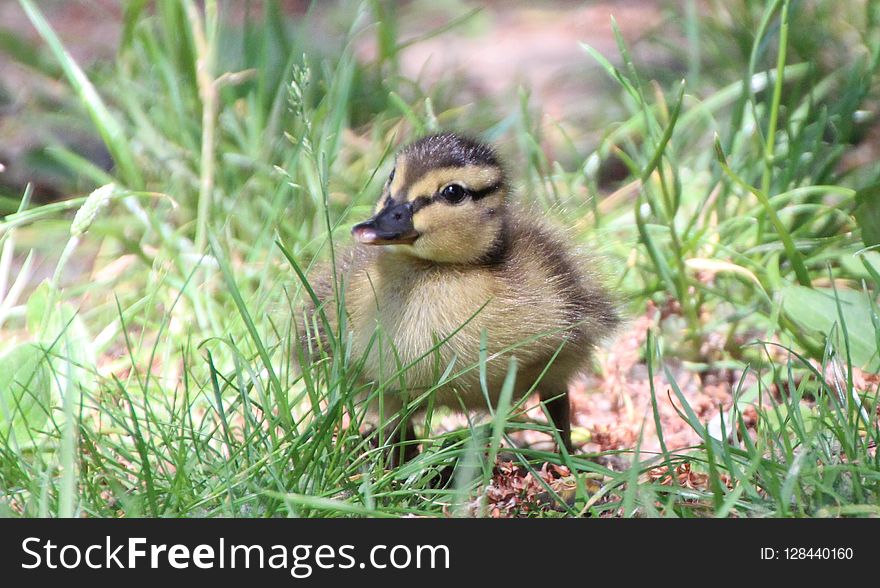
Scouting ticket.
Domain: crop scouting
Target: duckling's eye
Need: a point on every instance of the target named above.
(391, 175)
(453, 193)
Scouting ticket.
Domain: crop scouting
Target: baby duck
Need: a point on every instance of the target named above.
(445, 258)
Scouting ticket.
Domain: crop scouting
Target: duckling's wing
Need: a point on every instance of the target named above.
(570, 275)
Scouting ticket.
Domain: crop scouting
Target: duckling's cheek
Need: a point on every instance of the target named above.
(426, 231)
(421, 223)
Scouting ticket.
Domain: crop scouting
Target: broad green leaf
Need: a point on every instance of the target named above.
(49, 319)
(867, 213)
(856, 263)
(58, 327)
(25, 394)
(37, 308)
(779, 419)
(815, 311)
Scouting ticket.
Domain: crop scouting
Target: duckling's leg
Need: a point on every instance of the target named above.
(402, 442)
(399, 441)
(560, 415)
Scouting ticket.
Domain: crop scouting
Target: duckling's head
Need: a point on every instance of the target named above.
(444, 201)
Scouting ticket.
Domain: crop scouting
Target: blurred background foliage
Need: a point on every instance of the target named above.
(166, 162)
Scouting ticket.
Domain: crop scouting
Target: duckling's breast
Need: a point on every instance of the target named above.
(412, 314)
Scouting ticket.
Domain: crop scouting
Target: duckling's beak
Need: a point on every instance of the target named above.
(392, 226)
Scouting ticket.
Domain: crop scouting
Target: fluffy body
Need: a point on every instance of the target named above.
(471, 263)
(533, 301)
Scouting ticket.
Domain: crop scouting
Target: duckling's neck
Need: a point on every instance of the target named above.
(500, 248)
(394, 257)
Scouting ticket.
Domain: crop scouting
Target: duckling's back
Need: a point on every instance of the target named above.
(576, 298)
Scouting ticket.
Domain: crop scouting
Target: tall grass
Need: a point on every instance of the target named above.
(170, 380)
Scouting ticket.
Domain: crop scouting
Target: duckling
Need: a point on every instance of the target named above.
(445, 258)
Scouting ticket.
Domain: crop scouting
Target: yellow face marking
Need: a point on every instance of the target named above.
(395, 185)
(471, 177)
(399, 180)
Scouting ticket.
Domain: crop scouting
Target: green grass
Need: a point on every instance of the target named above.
(170, 384)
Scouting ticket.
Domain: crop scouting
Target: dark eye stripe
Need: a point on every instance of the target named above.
(423, 201)
(477, 194)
